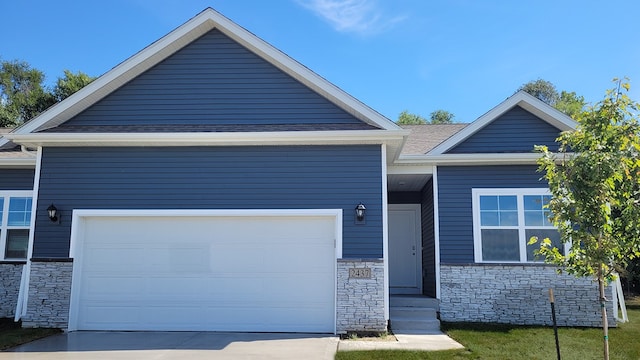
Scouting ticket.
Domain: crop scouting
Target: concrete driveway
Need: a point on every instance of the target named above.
(176, 345)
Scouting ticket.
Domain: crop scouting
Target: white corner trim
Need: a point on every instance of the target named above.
(385, 231)
(338, 226)
(522, 99)
(436, 229)
(23, 293)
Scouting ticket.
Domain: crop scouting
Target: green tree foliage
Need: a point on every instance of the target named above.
(23, 94)
(568, 102)
(594, 180)
(407, 118)
(70, 83)
(543, 90)
(436, 117)
(441, 117)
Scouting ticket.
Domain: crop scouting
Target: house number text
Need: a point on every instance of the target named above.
(360, 273)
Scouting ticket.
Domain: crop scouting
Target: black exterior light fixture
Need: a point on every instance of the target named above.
(53, 213)
(360, 213)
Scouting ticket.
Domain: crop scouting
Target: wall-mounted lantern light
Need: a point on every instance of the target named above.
(53, 213)
(360, 213)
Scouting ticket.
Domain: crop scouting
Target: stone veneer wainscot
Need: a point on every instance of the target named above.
(10, 277)
(49, 294)
(518, 294)
(360, 302)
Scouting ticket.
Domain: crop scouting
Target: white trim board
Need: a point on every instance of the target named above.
(217, 139)
(436, 228)
(385, 231)
(522, 99)
(80, 216)
(156, 52)
(23, 293)
(476, 193)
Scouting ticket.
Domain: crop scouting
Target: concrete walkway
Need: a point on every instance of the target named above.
(425, 342)
(210, 345)
(176, 345)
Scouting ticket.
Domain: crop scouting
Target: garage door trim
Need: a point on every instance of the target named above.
(80, 216)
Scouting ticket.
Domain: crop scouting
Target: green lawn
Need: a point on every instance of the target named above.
(484, 341)
(12, 335)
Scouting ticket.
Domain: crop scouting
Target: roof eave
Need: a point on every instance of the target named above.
(22, 163)
(210, 138)
(470, 159)
(174, 41)
(522, 99)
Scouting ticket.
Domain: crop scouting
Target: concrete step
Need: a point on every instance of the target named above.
(413, 301)
(412, 313)
(415, 326)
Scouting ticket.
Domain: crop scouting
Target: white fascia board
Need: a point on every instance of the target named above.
(211, 139)
(522, 99)
(409, 169)
(119, 75)
(18, 163)
(304, 74)
(470, 159)
(174, 41)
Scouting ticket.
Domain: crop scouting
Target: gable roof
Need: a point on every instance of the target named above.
(522, 99)
(183, 35)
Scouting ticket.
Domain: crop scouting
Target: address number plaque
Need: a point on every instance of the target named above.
(359, 273)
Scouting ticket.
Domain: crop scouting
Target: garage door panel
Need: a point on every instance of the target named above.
(96, 287)
(273, 273)
(101, 257)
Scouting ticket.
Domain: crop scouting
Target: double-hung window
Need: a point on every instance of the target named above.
(15, 223)
(505, 219)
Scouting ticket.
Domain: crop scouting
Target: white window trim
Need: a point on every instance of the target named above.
(7, 194)
(519, 193)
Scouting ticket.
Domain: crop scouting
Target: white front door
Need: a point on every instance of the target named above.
(405, 249)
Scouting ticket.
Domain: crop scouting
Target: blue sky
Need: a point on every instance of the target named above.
(464, 56)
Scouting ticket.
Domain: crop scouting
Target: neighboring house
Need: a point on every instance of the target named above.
(210, 182)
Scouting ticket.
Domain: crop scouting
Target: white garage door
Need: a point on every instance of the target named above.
(206, 273)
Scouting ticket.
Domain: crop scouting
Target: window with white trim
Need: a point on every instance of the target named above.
(505, 219)
(15, 224)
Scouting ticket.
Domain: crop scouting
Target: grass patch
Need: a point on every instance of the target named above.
(11, 334)
(494, 341)
(406, 355)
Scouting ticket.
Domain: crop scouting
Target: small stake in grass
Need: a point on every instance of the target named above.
(553, 317)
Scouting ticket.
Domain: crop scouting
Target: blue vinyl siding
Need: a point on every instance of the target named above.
(213, 80)
(516, 131)
(428, 241)
(454, 202)
(16, 179)
(272, 177)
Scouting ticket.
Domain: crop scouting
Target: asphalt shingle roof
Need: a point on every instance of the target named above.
(423, 138)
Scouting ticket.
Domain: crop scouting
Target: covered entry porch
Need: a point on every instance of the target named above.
(412, 232)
